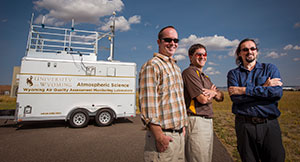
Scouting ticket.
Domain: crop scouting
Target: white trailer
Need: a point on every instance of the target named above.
(61, 79)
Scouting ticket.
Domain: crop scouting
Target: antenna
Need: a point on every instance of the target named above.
(70, 37)
(43, 22)
(72, 28)
(112, 38)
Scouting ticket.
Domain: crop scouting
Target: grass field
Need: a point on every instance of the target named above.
(7, 102)
(289, 121)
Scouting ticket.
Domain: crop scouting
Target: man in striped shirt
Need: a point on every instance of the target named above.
(162, 101)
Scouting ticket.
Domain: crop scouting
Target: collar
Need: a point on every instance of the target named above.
(163, 57)
(257, 66)
(196, 69)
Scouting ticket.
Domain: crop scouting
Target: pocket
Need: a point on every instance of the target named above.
(167, 83)
(150, 142)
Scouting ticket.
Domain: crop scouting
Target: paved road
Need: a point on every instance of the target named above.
(55, 141)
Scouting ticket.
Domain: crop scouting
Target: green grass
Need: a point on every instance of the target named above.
(289, 120)
(7, 102)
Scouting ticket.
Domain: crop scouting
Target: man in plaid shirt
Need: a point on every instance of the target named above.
(162, 103)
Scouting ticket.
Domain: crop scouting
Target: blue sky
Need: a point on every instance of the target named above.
(219, 25)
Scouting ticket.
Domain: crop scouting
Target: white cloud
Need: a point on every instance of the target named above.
(273, 55)
(183, 51)
(232, 52)
(297, 59)
(147, 24)
(283, 54)
(296, 47)
(179, 57)
(212, 63)
(288, 47)
(210, 42)
(83, 11)
(133, 48)
(49, 20)
(4, 20)
(121, 23)
(149, 47)
(297, 25)
(211, 71)
(136, 19)
(221, 57)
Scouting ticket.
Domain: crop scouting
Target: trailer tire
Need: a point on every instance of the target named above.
(79, 119)
(104, 117)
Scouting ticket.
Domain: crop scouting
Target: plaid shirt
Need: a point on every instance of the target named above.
(161, 93)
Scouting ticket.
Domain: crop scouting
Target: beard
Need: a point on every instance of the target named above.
(251, 59)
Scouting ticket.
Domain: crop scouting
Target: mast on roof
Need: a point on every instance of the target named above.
(112, 38)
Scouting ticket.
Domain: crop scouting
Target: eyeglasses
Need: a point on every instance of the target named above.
(200, 54)
(169, 40)
(247, 49)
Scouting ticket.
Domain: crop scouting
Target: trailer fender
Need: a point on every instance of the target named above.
(75, 109)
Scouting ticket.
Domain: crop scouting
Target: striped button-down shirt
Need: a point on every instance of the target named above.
(161, 93)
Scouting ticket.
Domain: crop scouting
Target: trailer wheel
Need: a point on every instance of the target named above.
(79, 119)
(104, 117)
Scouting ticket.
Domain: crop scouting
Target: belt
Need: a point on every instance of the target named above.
(253, 119)
(202, 116)
(173, 130)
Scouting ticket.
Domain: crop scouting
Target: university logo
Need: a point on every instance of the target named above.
(29, 81)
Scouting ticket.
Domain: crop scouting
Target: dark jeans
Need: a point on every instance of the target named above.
(259, 142)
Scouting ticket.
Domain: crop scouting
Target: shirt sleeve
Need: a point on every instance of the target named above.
(148, 95)
(232, 80)
(270, 92)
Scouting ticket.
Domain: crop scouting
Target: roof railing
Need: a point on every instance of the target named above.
(47, 39)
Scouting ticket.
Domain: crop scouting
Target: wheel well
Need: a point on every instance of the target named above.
(75, 109)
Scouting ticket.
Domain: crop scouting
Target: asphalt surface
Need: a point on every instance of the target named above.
(55, 141)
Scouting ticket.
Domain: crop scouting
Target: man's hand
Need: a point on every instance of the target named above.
(162, 143)
(213, 87)
(161, 140)
(211, 93)
(236, 90)
(273, 82)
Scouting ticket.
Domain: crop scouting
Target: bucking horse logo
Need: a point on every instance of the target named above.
(29, 81)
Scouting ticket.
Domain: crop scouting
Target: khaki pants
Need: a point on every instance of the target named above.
(174, 153)
(199, 139)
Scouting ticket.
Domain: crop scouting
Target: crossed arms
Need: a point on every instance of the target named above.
(209, 94)
(234, 90)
